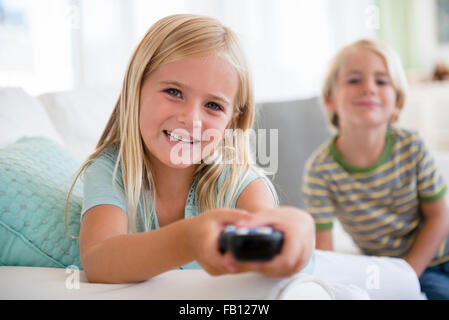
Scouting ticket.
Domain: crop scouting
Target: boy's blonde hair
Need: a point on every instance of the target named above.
(170, 39)
(392, 62)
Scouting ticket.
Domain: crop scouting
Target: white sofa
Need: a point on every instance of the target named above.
(76, 119)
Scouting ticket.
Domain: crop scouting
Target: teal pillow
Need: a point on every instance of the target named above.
(35, 176)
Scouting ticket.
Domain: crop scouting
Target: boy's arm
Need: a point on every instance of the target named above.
(434, 230)
(318, 199)
(324, 240)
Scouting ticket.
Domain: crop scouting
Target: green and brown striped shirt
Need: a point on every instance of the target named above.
(377, 205)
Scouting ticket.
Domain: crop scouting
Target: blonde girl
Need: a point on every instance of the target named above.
(144, 211)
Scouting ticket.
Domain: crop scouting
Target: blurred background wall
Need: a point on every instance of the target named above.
(54, 45)
(48, 45)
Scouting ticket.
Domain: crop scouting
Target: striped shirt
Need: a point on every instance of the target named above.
(377, 205)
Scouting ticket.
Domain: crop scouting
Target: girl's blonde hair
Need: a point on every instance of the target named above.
(392, 62)
(170, 39)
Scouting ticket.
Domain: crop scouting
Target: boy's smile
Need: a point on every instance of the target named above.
(363, 95)
(369, 103)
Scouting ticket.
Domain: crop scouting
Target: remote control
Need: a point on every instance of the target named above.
(251, 244)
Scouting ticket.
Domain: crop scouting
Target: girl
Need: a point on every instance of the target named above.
(379, 180)
(147, 209)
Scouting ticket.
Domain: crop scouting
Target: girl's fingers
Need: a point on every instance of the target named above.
(294, 250)
(263, 219)
(228, 263)
(230, 216)
(216, 262)
(213, 223)
(234, 266)
(290, 221)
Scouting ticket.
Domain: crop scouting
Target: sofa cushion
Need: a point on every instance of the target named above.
(302, 127)
(23, 115)
(35, 176)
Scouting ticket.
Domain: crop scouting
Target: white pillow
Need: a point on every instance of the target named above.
(343, 242)
(80, 116)
(22, 115)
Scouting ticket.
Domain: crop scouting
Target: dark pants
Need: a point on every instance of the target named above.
(435, 282)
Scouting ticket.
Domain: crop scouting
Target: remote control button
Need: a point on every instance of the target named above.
(230, 229)
(242, 231)
(265, 230)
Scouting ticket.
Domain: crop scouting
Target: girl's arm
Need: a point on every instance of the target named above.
(110, 255)
(324, 240)
(434, 230)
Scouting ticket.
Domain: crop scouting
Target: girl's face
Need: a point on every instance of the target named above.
(364, 95)
(183, 105)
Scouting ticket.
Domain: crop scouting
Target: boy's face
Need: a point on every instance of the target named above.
(182, 100)
(364, 95)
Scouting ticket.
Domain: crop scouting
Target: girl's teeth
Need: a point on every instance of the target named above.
(176, 137)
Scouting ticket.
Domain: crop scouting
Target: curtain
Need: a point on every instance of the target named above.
(397, 28)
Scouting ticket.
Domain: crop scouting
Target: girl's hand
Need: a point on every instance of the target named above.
(299, 241)
(203, 237)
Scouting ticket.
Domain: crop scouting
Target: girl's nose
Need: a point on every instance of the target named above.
(189, 113)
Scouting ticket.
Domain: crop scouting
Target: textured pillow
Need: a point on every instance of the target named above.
(35, 176)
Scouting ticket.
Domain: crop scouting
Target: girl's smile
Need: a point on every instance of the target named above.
(175, 138)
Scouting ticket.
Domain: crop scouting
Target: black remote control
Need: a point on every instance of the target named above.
(251, 244)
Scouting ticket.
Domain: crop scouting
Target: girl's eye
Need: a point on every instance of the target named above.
(174, 92)
(214, 106)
